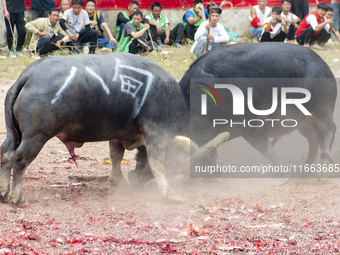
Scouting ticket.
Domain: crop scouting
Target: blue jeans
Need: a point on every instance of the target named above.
(256, 32)
(336, 14)
(105, 43)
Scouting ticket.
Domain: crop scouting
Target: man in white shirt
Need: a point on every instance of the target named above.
(217, 34)
(310, 31)
(274, 28)
(292, 21)
(257, 15)
(76, 23)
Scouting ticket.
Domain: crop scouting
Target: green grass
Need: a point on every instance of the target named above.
(176, 62)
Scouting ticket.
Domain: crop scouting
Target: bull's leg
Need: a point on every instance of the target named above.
(262, 144)
(314, 138)
(116, 154)
(142, 173)
(156, 152)
(7, 159)
(24, 155)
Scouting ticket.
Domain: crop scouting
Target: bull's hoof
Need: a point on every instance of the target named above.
(121, 182)
(173, 197)
(19, 201)
(5, 197)
(138, 179)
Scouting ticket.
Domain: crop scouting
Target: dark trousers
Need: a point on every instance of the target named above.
(300, 8)
(323, 36)
(39, 14)
(122, 25)
(16, 19)
(291, 33)
(176, 34)
(190, 31)
(306, 36)
(278, 38)
(47, 44)
(90, 36)
(138, 46)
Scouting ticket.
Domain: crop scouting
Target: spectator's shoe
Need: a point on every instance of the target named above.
(86, 49)
(35, 55)
(12, 54)
(20, 54)
(178, 45)
(316, 46)
(105, 50)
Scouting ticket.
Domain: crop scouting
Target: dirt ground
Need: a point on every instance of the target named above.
(231, 216)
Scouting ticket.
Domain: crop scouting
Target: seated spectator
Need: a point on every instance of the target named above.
(292, 21)
(257, 15)
(76, 23)
(336, 35)
(314, 27)
(274, 28)
(47, 33)
(126, 16)
(160, 29)
(192, 19)
(64, 5)
(217, 34)
(133, 39)
(97, 21)
(41, 8)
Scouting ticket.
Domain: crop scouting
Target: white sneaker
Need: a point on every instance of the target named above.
(86, 49)
(316, 46)
(12, 54)
(35, 55)
(107, 50)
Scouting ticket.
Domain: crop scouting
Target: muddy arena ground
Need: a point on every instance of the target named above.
(231, 216)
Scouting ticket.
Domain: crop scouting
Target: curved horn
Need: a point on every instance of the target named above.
(205, 149)
(185, 143)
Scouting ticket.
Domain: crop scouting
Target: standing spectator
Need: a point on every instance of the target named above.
(300, 8)
(192, 19)
(314, 27)
(40, 8)
(335, 4)
(258, 13)
(290, 18)
(217, 34)
(97, 21)
(76, 23)
(14, 11)
(274, 28)
(160, 29)
(126, 16)
(47, 33)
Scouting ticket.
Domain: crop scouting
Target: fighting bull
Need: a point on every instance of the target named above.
(134, 103)
(125, 99)
(245, 65)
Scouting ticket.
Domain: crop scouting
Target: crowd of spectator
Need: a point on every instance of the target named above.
(86, 29)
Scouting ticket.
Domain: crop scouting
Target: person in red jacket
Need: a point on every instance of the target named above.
(314, 27)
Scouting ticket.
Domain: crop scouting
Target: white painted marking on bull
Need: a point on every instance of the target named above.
(66, 83)
(107, 90)
(131, 85)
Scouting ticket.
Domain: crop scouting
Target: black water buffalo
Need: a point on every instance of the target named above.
(241, 62)
(126, 99)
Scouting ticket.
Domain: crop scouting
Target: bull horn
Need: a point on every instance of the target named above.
(185, 143)
(209, 146)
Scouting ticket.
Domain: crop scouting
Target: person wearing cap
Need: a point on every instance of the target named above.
(314, 27)
(217, 34)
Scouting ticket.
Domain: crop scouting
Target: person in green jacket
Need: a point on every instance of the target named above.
(133, 39)
(126, 16)
(160, 28)
(192, 20)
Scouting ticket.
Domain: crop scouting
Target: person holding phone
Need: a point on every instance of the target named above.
(274, 28)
